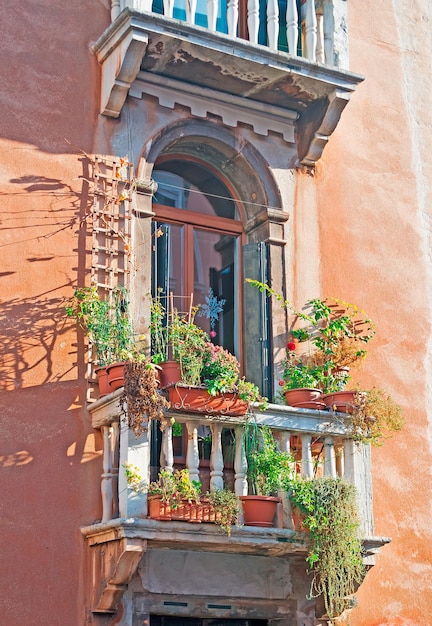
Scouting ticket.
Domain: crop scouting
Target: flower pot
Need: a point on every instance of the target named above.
(169, 373)
(295, 397)
(298, 519)
(259, 510)
(340, 401)
(102, 376)
(157, 509)
(115, 373)
(198, 400)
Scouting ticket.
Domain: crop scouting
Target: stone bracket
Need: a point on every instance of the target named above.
(119, 53)
(113, 564)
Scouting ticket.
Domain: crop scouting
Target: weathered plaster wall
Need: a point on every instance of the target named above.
(49, 456)
(373, 202)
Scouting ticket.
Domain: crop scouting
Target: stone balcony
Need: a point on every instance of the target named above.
(318, 440)
(193, 62)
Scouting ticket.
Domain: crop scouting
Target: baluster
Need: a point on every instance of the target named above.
(307, 461)
(115, 9)
(292, 26)
(167, 454)
(253, 20)
(216, 458)
(320, 39)
(115, 453)
(106, 482)
(212, 10)
(284, 512)
(232, 17)
(311, 29)
(329, 457)
(192, 454)
(190, 11)
(272, 23)
(168, 7)
(240, 465)
(340, 464)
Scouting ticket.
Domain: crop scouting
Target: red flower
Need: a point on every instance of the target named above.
(212, 334)
(291, 346)
(281, 383)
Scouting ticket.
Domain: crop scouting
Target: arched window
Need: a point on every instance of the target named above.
(199, 250)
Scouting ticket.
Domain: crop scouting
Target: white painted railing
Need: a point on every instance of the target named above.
(312, 32)
(318, 441)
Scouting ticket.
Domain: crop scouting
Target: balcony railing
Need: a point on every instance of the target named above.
(302, 28)
(319, 442)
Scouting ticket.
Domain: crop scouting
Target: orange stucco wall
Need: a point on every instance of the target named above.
(371, 198)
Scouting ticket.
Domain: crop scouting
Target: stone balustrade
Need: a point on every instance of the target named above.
(318, 440)
(313, 29)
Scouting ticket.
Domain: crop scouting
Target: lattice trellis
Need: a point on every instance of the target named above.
(111, 238)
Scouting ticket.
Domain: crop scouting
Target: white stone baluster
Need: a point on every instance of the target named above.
(292, 26)
(106, 482)
(311, 29)
(212, 11)
(320, 39)
(167, 454)
(240, 465)
(115, 454)
(232, 17)
(192, 454)
(272, 23)
(216, 458)
(168, 7)
(329, 457)
(307, 461)
(115, 9)
(253, 20)
(284, 513)
(340, 465)
(190, 11)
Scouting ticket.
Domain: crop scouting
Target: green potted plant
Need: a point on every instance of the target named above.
(269, 471)
(330, 518)
(225, 509)
(106, 323)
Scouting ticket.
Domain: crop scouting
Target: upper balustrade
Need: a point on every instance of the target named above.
(306, 28)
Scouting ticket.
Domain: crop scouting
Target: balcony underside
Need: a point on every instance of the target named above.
(149, 52)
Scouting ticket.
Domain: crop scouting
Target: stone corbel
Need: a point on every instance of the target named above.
(120, 52)
(114, 563)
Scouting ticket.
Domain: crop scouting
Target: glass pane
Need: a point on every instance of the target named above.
(167, 265)
(215, 261)
(200, 191)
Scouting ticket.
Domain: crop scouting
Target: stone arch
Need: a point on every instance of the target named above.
(233, 158)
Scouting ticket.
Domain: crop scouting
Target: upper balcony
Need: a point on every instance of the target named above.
(318, 440)
(275, 66)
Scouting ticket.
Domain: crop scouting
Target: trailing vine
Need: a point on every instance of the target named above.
(334, 544)
(141, 400)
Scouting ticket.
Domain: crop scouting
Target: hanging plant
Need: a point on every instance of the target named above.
(334, 545)
(141, 400)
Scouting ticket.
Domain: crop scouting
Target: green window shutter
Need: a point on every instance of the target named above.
(257, 331)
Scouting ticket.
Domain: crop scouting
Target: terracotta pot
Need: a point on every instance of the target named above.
(198, 400)
(341, 401)
(115, 373)
(169, 373)
(102, 376)
(298, 519)
(158, 509)
(259, 510)
(294, 397)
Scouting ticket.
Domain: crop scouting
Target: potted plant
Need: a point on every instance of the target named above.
(107, 325)
(225, 509)
(269, 471)
(220, 391)
(330, 518)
